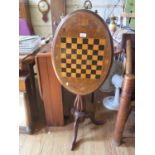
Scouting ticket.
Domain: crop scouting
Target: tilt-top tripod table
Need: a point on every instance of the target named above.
(82, 52)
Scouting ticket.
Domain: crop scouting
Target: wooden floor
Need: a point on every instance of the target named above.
(91, 140)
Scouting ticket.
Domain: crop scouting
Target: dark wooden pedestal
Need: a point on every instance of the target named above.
(79, 112)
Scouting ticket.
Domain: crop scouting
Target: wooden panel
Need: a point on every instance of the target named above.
(56, 97)
(50, 90)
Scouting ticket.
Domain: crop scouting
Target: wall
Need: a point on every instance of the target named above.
(104, 8)
(40, 27)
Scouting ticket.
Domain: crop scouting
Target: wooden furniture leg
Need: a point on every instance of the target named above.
(124, 108)
(79, 112)
(33, 98)
(26, 125)
(76, 124)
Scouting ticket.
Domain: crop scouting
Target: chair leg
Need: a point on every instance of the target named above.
(122, 117)
(124, 108)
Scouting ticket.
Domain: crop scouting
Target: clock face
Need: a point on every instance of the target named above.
(43, 6)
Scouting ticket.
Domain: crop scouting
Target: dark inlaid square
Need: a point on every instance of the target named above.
(68, 45)
(84, 52)
(63, 40)
(85, 41)
(84, 61)
(73, 70)
(93, 71)
(97, 76)
(74, 40)
(83, 71)
(99, 67)
(73, 61)
(68, 65)
(87, 75)
(78, 75)
(88, 67)
(78, 66)
(68, 56)
(94, 62)
(73, 51)
(101, 47)
(63, 69)
(79, 46)
(63, 60)
(96, 41)
(68, 74)
(89, 57)
(90, 47)
(100, 57)
(79, 56)
(95, 52)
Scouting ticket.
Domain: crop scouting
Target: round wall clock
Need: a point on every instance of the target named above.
(44, 8)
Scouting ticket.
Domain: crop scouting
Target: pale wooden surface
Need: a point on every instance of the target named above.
(91, 140)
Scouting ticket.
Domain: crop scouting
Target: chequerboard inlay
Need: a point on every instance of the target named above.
(82, 57)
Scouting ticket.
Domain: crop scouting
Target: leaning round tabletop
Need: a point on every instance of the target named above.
(82, 52)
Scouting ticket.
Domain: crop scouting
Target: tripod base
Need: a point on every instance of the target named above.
(80, 114)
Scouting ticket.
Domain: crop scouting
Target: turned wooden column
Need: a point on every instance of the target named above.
(124, 108)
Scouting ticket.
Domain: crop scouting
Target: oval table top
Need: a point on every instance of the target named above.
(82, 52)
